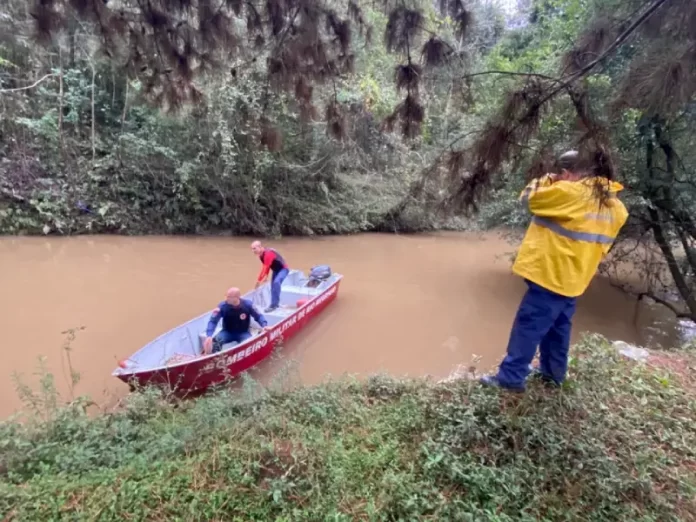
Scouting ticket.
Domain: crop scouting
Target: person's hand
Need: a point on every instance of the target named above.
(266, 328)
(258, 283)
(207, 346)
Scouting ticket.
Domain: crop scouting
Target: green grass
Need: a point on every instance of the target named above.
(617, 443)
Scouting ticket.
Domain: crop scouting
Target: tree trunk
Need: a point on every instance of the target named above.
(666, 203)
(125, 107)
(661, 238)
(94, 125)
(679, 279)
(72, 38)
(61, 95)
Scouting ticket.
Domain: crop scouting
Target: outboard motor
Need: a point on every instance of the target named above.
(317, 274)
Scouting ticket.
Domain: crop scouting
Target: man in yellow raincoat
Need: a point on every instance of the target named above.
(576, 218)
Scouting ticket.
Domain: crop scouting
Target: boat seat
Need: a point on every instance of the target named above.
(306, 290)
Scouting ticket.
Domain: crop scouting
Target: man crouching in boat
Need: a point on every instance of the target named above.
(236, 314)
(272, 261)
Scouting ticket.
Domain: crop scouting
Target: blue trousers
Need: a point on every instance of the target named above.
(543, 320)
(224, 337)
(276, 283)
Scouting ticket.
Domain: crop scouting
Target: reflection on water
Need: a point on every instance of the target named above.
(409, 305)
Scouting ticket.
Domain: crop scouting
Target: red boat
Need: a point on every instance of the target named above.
(175, 359)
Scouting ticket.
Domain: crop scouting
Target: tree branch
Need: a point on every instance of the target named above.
(37, 82)
(680, 216)
(511, 73)
(688, 249)
(617, 43)
(533, 108)
(680, 314)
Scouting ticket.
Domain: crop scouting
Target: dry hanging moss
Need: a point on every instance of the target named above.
(659, 82)
(408, 77)
(402, 28)
(542, 163)
(271, 137)
(516, 122)
(590, 45)
(435, 52)
(410, 114)
(335, 121)
(462, 17)
(169, 44)
(662, 81)
(401, 33)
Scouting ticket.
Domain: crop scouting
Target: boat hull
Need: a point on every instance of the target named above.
(197, 375)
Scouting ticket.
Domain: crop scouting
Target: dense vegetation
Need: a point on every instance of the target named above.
(285, 117)
(618, 443)
(636, 62)
(86, 149)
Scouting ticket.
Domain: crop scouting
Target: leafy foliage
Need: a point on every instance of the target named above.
(169, 44)
(615, 444)
(87, 151)
(637, 113)
(509, 131)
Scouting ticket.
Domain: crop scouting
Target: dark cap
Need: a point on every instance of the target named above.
(568, 160)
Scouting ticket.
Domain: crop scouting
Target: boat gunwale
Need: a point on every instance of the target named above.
(120, 373)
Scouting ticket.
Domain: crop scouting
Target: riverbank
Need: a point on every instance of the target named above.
(616, 444)
(354, 204)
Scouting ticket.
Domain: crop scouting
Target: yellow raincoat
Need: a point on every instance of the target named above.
(569, 234)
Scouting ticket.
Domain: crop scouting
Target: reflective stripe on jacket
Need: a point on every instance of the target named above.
(569, 235)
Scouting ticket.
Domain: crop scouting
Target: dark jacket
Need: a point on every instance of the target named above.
(235, 319)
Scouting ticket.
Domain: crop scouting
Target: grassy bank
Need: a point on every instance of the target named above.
(618, 443)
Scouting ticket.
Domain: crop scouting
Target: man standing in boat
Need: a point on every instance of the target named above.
(271, 261)
(236, 314)
(576, 216)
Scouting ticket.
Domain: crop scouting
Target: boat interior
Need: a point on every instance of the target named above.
(185, 342)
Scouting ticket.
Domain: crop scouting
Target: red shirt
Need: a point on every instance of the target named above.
(271, 260)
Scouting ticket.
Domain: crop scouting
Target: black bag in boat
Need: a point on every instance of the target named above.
(317, 274)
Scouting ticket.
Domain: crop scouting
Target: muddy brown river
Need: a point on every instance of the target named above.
(409, 305)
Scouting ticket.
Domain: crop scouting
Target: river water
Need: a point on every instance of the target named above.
(409, 305)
